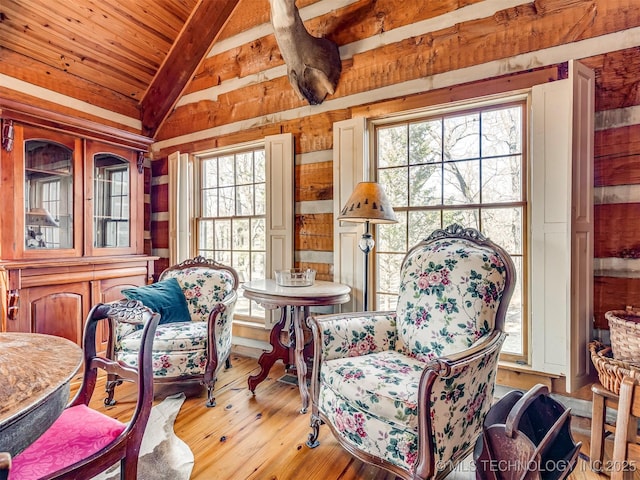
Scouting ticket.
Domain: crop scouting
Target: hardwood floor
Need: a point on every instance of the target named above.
(262, 437)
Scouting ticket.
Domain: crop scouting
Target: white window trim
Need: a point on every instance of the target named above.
(180, 212)
(561, 232)
(350, 166)
(280, 231)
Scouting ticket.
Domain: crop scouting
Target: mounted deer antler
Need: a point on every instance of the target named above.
(313, 64)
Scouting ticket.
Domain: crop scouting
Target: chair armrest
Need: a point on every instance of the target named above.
(220, 327)
(230, 300)
(454, 397)
(222, 312)
(352, 334)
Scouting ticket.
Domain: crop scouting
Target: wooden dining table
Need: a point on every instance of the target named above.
(35, 375)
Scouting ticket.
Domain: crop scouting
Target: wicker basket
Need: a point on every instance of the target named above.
(611, 371)
(624, 328)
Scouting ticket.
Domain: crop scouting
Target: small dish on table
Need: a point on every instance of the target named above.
(295, 277)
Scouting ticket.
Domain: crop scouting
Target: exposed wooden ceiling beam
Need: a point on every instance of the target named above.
(195, 41)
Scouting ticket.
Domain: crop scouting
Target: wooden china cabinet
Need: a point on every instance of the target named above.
(72, 221)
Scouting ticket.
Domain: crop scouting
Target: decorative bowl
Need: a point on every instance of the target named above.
(295, 277)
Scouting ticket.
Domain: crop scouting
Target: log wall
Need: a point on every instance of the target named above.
(399, 55)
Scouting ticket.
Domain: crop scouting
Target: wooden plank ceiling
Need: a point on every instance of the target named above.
(133, 57)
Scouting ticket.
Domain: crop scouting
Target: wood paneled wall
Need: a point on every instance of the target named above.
(400, 55)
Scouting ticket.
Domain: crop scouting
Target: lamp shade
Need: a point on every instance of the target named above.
(40, 217)
(368, 202)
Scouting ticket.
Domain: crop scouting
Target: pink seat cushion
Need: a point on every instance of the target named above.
(78, 433)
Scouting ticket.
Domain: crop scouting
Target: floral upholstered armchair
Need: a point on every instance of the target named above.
(408, 390)
(196, 301)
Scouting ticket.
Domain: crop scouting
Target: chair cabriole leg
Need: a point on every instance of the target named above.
(211, 400)
(313, 442)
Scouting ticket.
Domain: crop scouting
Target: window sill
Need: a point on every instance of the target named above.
(523, 377)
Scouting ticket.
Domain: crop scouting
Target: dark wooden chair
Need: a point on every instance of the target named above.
(83, 442)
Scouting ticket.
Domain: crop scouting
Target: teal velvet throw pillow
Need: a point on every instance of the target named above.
(165, 297)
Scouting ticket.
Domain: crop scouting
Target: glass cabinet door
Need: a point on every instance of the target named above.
(111, 202)
(114, 209)
(48, 190)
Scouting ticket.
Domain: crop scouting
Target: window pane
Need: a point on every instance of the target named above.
(244, 168)
(392, 237)
(209, 173)
(242, 306)
(205, 232)
(466, 218)
(258, 262)
(258, 234)
(426, 185)
(49, 194)
(240, 261)
(245, 200)
(502, 132)
(387, 302)
(388, 268)
(514, 319)
(461, 182)
(111, 201)
(260, 168)
(241, 234)
(223, 234)
(425, 142)
(257, 310)
(227, 207)
(209, 203)
(461, 137)
(395, 185)
(502, 179)
(260, 199)
(504, 226)
(422, 224)
(392, 146)
(223, 256)
(225, 171)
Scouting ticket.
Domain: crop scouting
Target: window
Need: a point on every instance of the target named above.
(48, 195)
(111, 203)
(555, 292)
(467, 167)
(231, 224)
